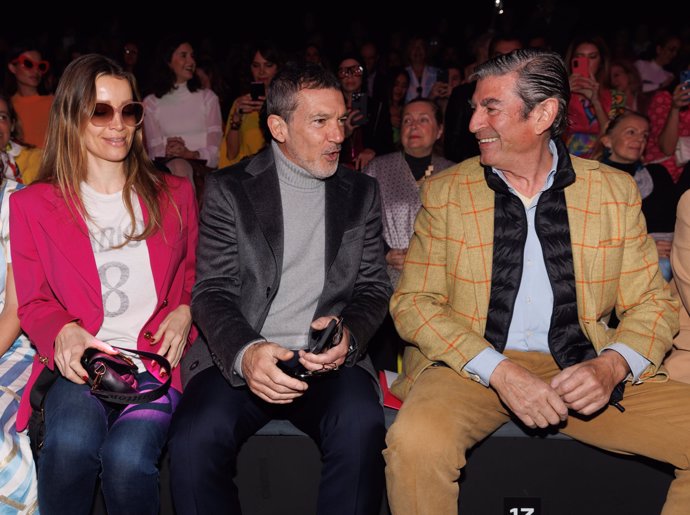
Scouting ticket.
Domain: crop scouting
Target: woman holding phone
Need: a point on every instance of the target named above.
(243, 135)
(590, 103)
(670, 127)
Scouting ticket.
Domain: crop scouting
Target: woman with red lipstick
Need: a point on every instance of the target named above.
(104, 254)
(183, 125)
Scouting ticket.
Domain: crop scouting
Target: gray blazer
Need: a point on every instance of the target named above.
(240, 254)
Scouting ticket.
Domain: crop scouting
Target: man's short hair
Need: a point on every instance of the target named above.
(281, 98)
(541, 75)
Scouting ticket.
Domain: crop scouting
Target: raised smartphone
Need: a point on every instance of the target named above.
(581, 66)
(256, 90)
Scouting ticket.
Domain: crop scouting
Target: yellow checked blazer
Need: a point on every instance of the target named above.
(440, 305)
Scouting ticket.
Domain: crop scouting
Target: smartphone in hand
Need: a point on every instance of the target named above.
(359, 103)
(581, 66)
(442, 75)
(256, 90)
(320, 340)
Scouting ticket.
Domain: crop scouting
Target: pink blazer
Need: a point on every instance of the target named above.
(57, 279)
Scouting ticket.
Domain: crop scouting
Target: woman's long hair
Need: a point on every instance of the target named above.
(64, 162)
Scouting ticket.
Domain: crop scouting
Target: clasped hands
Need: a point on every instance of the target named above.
(584, 388)
(175, 146)
(268, 382)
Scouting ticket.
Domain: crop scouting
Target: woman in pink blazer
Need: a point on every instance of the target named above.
(103, 255)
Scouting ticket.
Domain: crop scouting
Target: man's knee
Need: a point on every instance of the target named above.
(416, 440)
(203, 432)
(200, 430)
(358, 422)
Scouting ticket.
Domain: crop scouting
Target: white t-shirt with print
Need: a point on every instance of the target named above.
(127, 286)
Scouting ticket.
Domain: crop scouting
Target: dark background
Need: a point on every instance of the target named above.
(225, 32)
(232, 22)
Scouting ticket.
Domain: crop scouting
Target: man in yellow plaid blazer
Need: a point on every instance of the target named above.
(518, 260)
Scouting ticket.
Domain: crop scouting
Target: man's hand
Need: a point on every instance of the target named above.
(533, 401)
(587, 386)
(335, 355)
(265, 379)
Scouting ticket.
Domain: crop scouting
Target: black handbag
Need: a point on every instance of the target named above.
(112, 377)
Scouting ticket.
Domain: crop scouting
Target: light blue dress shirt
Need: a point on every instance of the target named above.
(529, 326)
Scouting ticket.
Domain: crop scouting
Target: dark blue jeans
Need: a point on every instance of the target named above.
(85, 437)
(341, 413)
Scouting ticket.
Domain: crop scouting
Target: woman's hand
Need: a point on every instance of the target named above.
(70, 344)
(176, 147)
(585, 86)
(396, 258)
(364, 157)
(681, 96)
(174, 331)
(245, 104)
(663, 248)
(439, 90)
(354, 119)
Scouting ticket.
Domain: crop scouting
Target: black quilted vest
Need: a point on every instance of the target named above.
(567, 342)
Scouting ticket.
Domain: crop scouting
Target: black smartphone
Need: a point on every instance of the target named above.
(359, 102)
(256, 90)
(294, 368)
(323, 339)
(442, 75)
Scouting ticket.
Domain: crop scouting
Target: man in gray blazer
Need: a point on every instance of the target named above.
(288, 241)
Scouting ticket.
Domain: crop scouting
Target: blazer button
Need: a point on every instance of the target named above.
(43, 360)
(194, 365)
(164, 303)
(148, 335)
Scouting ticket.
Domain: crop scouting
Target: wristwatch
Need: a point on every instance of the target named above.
(352, 350)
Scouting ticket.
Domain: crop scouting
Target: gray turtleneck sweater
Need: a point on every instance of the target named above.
(303, 199)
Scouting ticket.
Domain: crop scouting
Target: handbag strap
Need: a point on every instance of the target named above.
(139, 397)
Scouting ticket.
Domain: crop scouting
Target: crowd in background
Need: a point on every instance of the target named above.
(408, 95)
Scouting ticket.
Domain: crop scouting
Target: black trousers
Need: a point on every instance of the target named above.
(341, 413)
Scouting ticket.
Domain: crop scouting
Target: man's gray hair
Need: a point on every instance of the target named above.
(541, 75)
(281, 99)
